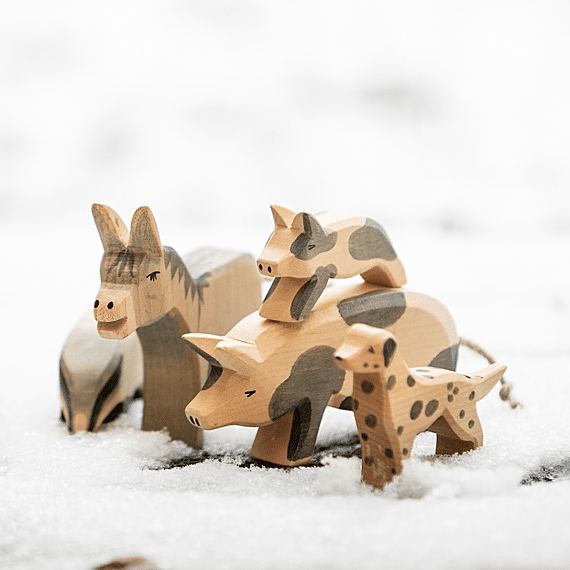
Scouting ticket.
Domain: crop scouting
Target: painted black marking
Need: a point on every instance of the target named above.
(314, 235)
(455, 391)
(371, 350)
(461, 414)
(309, 292)
(410, 381)
(450, 386)
(367, 386)
(369, 460)
(371, 242)
(114, 413)
(214, 374)
(371, 421)
(450, 398)
(471, 424)
(400, 430)
(250, 393)
(124, 262)
(64, 389)
(389, 351)
(405, 451)
(388, 453)
(379, 309)
(447, 358)
(364, 436)
(107, 390)
(355, 404)
(110, 305)
(391, 382)
(153, 276)
(96, 303)
(416, 409)
(472, 396)
(431, 407)
(314, 378)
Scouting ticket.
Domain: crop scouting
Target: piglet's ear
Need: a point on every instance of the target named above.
(308, 224)
(282, 216)
(112, 230)
(144, 237)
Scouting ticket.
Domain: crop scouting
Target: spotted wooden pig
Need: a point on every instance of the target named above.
(281, 376)
(98, 378)
(393, 403)
(305, 251)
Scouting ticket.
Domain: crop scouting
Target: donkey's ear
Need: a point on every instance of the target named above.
(282, 216)
(308, 224)
(113, 232)
(144, 237)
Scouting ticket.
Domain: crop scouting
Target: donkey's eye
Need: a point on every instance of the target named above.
(371, 349)
(152, 276)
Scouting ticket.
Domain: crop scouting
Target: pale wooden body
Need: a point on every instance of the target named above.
(149, 289)
(282, 365)
(393, 403)
(98, 377)
(305, 251)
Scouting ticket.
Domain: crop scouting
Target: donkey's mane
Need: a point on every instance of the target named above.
(177, 266)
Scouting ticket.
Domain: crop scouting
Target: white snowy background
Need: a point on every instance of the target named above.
(447, 122)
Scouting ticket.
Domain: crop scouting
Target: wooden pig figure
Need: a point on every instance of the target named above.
(148, 288)
(280, 376)
(305, 251)
(98, 378)
(392, 403)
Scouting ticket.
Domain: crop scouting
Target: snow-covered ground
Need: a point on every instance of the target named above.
(447, 122)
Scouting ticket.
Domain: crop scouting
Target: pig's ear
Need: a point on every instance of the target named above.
(308, 224)
(204, 345)
(239, 356)
(282, 216)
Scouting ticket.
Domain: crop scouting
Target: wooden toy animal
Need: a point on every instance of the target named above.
(305, 251)
(281, 376)
(392, 403)
(148, 288)
(98, 377)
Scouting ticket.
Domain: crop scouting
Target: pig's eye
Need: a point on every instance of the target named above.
(311, 246)
(250, 393)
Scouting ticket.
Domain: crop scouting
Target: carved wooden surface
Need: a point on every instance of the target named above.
(305, 251)
(393, 403)
(280, 376)
(148, 288)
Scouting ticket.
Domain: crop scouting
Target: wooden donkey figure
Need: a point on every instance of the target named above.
(392, 403)
(148, 288)
(305, 251)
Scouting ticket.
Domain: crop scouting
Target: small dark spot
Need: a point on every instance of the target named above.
(110, 305)
(197, 422)
(376, 366)
(355, 404)
(405, 451)
(393, 471)
(269, 269)
(416, 409)
(370, 420)
(431, 407)
(388, 453)
(462, 414)
(260, 267)
(391, 382)
(371, 349)
(471, 423)
(472, 395)
(450, 398)
(365, 364)
(364, 436)
(456, 391)
(450, 386)
(411, 381)
(368, 460)
(250, 393)
(367, 387)
(96, 303)
(400, 430)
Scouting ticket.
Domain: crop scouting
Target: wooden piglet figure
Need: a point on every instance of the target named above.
(305, 251)
(393, 403)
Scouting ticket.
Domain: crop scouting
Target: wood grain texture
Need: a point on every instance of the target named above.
(98, 377)
(150, 289)
(305, 251)
(280, 376)
(393, 403)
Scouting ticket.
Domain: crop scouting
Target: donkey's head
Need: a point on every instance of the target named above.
(134, 290)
